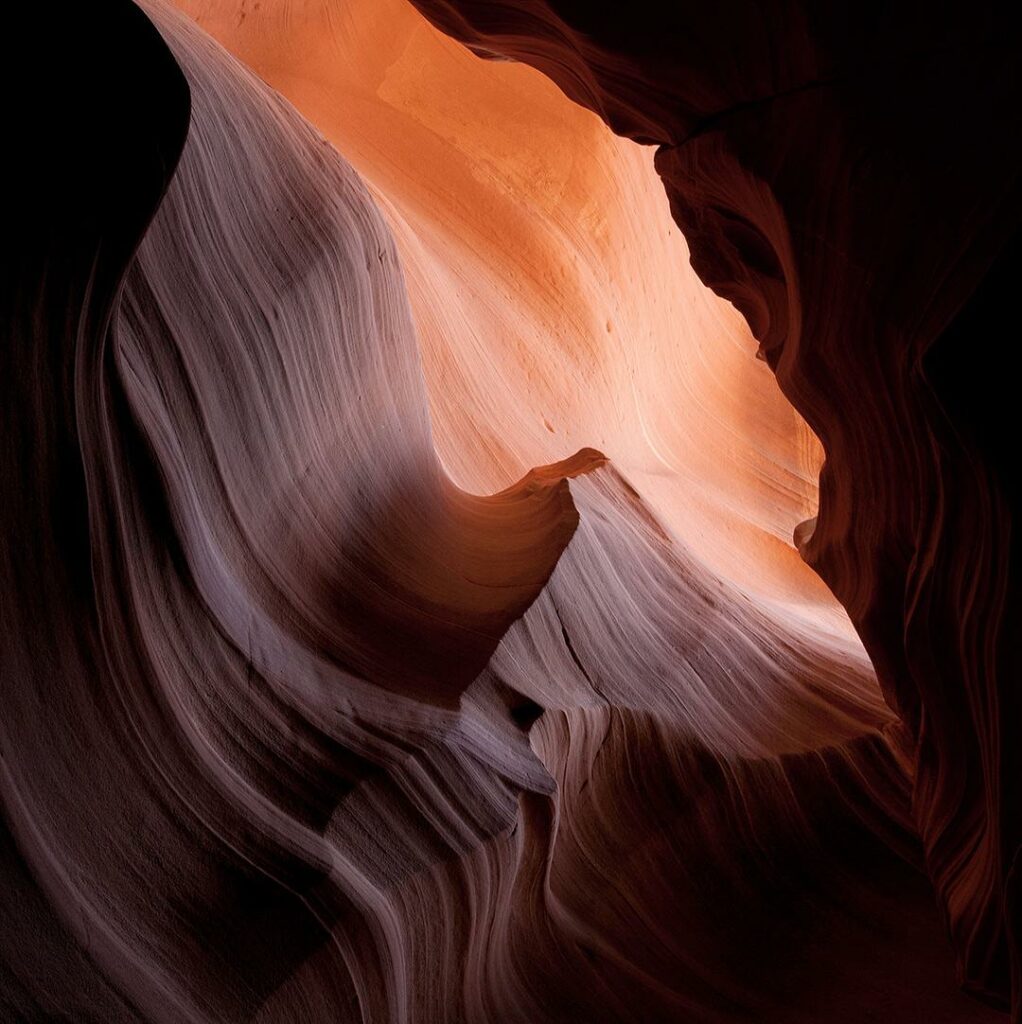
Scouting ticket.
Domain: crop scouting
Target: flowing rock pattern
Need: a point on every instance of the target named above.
(848, 177)
(298, 727)
(552, 293)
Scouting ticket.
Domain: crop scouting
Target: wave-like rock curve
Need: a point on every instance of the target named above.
(297, 729)
(848, 178)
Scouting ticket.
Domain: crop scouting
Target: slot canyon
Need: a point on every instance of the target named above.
(509, 513)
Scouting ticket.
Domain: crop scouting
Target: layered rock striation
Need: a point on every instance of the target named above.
(399, 621)
(848, 177)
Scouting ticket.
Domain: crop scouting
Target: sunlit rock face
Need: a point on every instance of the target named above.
(847, 176)
(402, 619)
(553, 297)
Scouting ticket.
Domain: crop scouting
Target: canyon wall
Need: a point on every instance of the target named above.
(847, 175)
(401, 618)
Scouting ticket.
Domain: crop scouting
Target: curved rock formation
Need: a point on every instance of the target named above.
(552, 294)
(299, 728)
(848, 178)
(250, 532)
